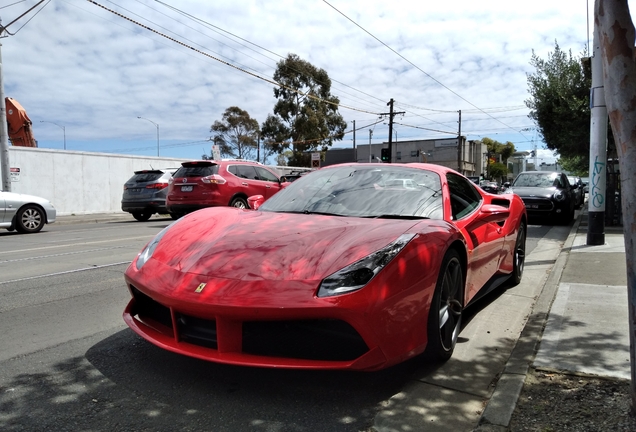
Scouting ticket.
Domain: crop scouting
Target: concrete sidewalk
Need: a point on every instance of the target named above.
(583, 307)
(588, 327)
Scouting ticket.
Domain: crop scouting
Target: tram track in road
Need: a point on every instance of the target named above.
(31, 258)
(84, 243)
(96, 267)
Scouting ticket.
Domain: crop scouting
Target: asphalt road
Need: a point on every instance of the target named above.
(68, 362)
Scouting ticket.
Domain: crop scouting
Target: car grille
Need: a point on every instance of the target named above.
(329, 340)
(317, 339)
(538, 204)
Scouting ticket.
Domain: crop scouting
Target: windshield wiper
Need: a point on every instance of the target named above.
(396, 216)
(320, 213)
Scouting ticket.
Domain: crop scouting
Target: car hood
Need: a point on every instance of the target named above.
(534, 191)
(238, 244)
(26, 198)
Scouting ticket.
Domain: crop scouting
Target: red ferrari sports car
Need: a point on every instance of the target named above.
(353, 266)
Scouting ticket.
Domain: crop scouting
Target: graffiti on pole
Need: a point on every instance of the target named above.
(597, 194)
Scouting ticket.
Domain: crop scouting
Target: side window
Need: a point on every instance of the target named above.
(233, 169)
(463, 195)
(265, 175)
(246, 172)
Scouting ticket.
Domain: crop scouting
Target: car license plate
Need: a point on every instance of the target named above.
(135, 190)
(532, 206)
(186, 188)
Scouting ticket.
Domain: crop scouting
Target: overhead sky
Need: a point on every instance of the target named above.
(82, 71)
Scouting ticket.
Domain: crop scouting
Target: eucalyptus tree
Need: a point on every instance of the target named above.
(306, 116)
(236, 134)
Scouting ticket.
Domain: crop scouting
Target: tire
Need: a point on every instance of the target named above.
(142, 216)
(445, 314)
(175, 216)
(239, 202)
(30, 219)
(568, 217)
(519, 255)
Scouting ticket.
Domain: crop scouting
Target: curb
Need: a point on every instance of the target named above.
(501, 405)
(102, 217)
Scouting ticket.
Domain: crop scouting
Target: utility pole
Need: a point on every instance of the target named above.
(355, 156)
(4, 136)
(5, 166)
(391, 114)
(598, 150)
(370, 135)
(460, 155)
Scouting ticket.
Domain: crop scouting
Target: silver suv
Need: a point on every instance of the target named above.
(145, 193)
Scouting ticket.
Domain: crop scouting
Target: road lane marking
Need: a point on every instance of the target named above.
(13, 252)
(65, 272)
(62, 254)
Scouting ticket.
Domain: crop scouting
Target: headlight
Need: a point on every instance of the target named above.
(147, 252)
(559, 195)
(356, 275)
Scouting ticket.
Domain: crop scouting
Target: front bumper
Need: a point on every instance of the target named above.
(288, 343)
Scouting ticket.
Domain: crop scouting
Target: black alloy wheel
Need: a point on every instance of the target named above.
(445, 315)
(519, 257)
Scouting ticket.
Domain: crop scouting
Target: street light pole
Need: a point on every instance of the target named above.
(62, 127)
(143, 118)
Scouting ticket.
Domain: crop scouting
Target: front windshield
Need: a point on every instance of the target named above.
(536, 180)
(363, 191)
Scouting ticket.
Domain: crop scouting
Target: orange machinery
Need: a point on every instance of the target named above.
(19, 125)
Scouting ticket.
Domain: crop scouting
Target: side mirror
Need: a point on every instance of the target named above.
(255, 201)
(506, 185)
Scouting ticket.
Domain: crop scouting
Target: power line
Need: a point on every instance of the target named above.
(415, 66)
(309, 95)
(220, 31)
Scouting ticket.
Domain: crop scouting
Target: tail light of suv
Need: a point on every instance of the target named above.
(157, 186)
(213, 179)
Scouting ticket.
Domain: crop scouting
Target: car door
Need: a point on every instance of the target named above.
(251, 183)
(270, 180)
(485, 242)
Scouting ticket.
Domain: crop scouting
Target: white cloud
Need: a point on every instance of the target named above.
(81, 66)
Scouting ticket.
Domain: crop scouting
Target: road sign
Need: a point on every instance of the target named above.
(15, 174)
(315, 160)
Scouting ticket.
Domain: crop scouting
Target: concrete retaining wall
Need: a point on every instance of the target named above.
(78, 182)
(82, 182)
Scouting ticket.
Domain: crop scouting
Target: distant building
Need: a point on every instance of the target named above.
(437, 151)
(335, 156)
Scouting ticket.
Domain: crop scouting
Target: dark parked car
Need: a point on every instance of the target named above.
(293, 175)
(208, 183)
(579, 190)
(586, 184)
(145, 193)
(546, 194)
(490, 187)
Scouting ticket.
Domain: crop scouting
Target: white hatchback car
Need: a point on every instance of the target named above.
(25, 213)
